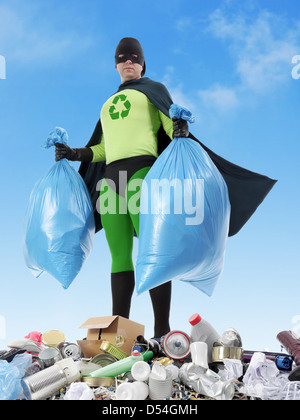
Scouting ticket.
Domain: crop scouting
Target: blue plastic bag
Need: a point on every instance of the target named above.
(184, 217)
(11, 375)
(59, 223)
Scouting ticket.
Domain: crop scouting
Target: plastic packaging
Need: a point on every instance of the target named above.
(11, 374)
(184, 219)
(132, 391)
(160, 389)
(174, 371)
(202, 330)
(35, 336)
(121, 366)
(59, 222)
(158, 371)
(140, 371)
(199, 353)
(79, 391)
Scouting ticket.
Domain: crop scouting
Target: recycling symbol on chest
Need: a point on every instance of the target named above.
(120, 107)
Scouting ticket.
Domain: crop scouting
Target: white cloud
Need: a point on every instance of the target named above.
(219, 97)
(29, 37)
(262, 47)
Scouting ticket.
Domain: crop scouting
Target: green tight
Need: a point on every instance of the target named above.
(119, 225)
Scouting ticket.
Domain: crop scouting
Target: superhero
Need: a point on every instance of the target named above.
(133, 129)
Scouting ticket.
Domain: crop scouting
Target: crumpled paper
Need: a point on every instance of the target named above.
(265, 381)
(233, 370)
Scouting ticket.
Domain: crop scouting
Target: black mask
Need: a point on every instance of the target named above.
(132, 50)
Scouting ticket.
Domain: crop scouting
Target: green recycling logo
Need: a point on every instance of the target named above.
(113, 111)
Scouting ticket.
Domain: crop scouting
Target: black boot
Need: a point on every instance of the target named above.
(122, 287)
(161, 302)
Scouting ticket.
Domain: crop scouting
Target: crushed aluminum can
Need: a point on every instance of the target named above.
(206, 382)
(70, 350)
(231, 338)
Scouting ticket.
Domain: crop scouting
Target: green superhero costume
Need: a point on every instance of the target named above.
(130, 123)
(128, 144)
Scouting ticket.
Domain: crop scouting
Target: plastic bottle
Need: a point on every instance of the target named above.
(202, 330)
(121, 366)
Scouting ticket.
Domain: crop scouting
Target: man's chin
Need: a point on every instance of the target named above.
(129, 77)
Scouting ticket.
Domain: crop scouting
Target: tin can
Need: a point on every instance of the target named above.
(97, 382)
(48, 382)
(49, 356)
(70, 350)
(284, 363)
(109, 348)
(219, 353)
(176, 345)
(103, 359)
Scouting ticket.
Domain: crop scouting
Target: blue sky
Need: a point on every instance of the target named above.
(230, 63)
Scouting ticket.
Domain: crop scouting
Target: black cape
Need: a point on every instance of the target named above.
(246, 189)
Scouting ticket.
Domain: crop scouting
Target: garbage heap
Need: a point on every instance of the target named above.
(116, 362)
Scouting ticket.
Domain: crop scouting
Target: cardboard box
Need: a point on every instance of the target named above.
(119, 331)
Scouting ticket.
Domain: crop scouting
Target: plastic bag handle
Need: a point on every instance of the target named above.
(178, 112)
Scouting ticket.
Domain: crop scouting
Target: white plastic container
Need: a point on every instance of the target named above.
(132, 391)
(160, 389)
(202, 330)
(140, 371)
(199, 353)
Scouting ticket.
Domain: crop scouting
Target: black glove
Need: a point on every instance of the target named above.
(180, 128)
(62, 151)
